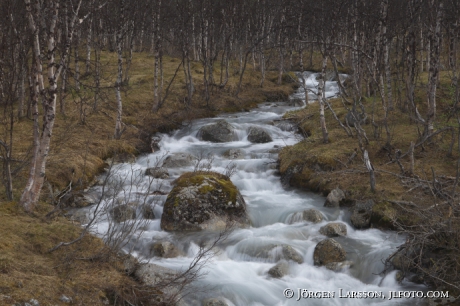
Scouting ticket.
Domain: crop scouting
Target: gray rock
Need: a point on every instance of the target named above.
(214, 302)
(203, 201)
(334, 198)
(221, 131)
(177, 160)
(334, 229)
(122, 213)
(279, 270)
(157, 172)
(328, 251)
(290, 254)
(165, 249)
(130, 263)
(286, 125)
(233, 154)
(273, 252)
(361, 214)
(401, 261)
(147, 212)
(258, 135)
(312, 215)
(338, 266)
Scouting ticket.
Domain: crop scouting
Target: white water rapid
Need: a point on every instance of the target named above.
(234, 275)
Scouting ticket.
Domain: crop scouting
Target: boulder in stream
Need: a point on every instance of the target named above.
(334, 229)
(221, 131)
(273, 252)
(177, 160)
(279, 270)
(122, 213)
(312, 215)
(233, 154)
(203, 201)
(361, 214)
(334, 198)
(158, 172)
(258, 135)
(328, 251)
(165, 249)
(338, 266)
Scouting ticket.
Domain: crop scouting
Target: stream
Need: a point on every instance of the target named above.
(234, 274)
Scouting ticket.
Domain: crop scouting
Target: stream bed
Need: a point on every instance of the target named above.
(236, 274)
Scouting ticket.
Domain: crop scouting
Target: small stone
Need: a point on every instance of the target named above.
(290, 254)
(334, 229)
(362, 213)
(334, 198)
(312, 215)
(279, 270)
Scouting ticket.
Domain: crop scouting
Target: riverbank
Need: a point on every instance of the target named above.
(410, 200)
(86, 272)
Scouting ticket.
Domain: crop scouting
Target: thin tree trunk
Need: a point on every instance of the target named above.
(321, 97)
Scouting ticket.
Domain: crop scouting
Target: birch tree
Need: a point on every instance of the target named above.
(46, 93)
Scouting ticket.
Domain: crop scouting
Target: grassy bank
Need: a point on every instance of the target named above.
(82, 140)
(416, 203)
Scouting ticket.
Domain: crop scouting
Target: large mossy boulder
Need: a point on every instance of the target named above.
(258, 135)
(203, 201)
(221, 131)
(328, 251)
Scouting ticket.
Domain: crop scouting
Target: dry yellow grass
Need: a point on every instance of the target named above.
(82, 140)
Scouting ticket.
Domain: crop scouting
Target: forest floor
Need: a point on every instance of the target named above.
(82, 142)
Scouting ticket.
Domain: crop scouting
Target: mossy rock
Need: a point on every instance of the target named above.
(203, 201)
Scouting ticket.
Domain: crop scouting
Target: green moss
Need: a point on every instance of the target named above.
(208, 181)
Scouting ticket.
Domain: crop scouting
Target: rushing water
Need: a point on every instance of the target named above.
(234, 274)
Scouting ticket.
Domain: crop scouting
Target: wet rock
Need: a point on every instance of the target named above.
(334, 198)
(273, 252)
(401, 261)
(328, 251)
(177, 160)
(122, 213)
(221, 131)
(258, 135)
(147, 212)
(339, 266)
(157, 172)
(233, 154)
(214, 302)
(334, 229)
(155, 143)
(131, 264)
(279, 270)
(286, 125)
(201, 201)
(361, 214)
(165, 249)
(290, 254)
(312, 215)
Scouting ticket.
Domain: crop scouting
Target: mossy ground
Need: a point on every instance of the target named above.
(82, 140)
